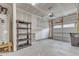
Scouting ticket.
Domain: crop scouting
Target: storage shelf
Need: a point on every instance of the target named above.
(23, 28)
(23, 46)
(27, 40)
(22, 39)
(25, 34)
(23, 22)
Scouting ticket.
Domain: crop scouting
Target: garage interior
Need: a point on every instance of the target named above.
(39, 29)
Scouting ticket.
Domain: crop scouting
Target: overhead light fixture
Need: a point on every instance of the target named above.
(33, 4)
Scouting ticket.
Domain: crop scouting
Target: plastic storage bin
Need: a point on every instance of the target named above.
(74, 39)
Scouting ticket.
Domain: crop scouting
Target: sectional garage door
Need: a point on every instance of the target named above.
(57, 29)
(62, 27)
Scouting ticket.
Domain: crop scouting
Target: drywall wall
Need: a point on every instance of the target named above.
(28, 17)
(43, 34)
(39, 25)
(23, 15)
(44, 29)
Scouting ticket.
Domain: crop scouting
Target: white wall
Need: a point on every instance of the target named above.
(23, 15)
(39, 24)
(43, 34)
(44, 31)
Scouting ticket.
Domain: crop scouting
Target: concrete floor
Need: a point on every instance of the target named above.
(47, 48)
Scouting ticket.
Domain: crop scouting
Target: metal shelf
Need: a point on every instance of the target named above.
(27, 40)
(22, 39)
(23, 28)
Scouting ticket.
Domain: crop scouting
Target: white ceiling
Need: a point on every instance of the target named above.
(42, 9)
(31, 9)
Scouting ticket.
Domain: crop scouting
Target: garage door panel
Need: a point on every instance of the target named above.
(57, 37)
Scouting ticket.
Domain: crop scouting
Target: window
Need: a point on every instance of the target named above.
(65, 26)
(57, 26)
(69, 25)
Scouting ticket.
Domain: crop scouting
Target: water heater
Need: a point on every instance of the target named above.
(3, 25)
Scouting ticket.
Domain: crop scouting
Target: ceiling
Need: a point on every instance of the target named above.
(43, 9)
